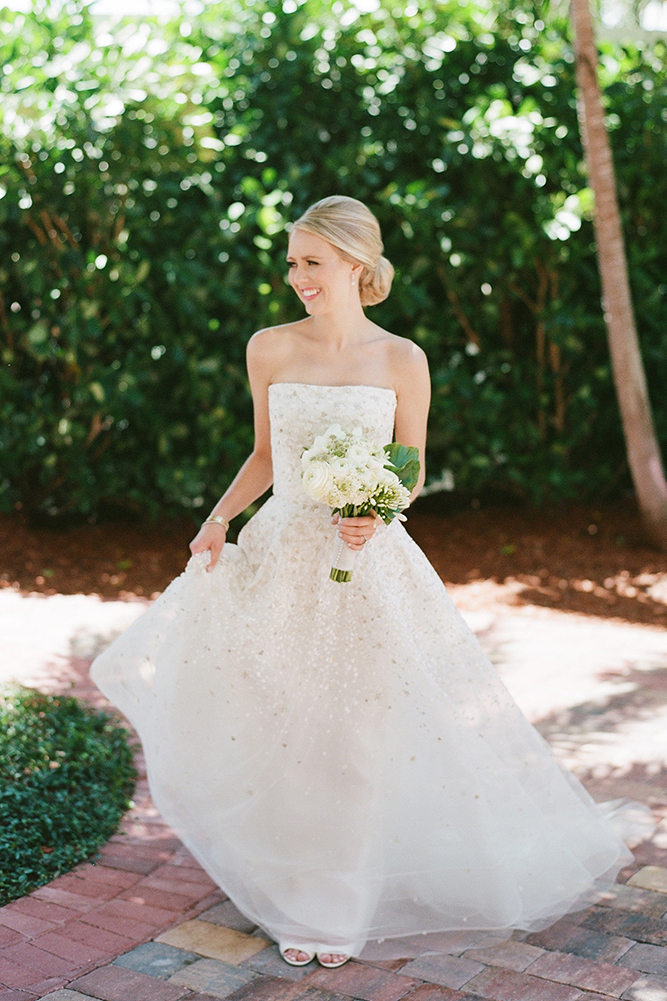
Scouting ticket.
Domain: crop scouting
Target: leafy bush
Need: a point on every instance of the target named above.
(142, 237)
(66, 775)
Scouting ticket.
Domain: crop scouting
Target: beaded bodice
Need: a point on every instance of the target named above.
(300, 411)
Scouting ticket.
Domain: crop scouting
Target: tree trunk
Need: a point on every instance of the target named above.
(641, 443)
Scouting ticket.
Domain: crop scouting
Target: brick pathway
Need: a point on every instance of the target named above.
(174, 939)
(142, 882)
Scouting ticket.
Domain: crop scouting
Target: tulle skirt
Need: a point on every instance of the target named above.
(343, 759)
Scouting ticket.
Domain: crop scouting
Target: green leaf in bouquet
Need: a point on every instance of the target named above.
(404, 460)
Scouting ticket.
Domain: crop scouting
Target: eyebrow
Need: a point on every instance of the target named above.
(309, 257)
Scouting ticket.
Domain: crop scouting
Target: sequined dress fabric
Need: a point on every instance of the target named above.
(343, 759)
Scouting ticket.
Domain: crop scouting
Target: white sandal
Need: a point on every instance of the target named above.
(306, 948)
(334, 950)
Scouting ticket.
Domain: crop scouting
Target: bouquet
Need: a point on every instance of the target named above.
(355, 477)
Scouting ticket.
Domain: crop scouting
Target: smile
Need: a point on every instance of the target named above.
(309, 293)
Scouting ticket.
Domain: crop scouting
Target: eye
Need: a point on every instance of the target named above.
(312, 262)
(291, 264)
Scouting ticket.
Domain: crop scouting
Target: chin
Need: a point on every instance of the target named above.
(312, 307)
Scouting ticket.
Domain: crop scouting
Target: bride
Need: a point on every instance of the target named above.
(342, 758)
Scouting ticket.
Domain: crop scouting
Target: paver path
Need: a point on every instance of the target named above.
(142, 882)
(142, 921)
(617, 949)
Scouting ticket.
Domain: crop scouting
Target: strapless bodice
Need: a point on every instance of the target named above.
(300, 411)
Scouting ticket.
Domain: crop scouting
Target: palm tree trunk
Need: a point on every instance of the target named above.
(641, 443)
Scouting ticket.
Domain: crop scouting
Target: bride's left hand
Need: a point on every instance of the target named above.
(356, 532)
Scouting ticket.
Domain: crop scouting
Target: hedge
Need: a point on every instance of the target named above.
(149, 173)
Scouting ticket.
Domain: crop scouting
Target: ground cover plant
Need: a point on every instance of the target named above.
(149, 173)
(66, 775)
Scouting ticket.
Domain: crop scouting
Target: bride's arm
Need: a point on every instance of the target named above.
(256, 474)
(413, 392)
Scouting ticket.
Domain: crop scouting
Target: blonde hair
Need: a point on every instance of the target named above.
(349, 226)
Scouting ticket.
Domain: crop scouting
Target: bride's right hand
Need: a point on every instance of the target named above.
(210, 537)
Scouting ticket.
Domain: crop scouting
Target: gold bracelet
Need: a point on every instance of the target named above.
(217, 519)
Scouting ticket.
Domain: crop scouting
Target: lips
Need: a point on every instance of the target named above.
(309, 293)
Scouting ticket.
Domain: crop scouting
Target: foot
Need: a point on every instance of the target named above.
(296, 955)
(332, 959)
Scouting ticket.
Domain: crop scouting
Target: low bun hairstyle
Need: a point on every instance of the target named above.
(354, 231)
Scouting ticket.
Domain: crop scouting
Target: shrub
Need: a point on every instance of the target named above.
(66, 775)
(142, 242)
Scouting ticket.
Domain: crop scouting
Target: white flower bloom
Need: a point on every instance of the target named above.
(341, 467)
(387, 478)
(358, 454)
(320, 445)
(369, 481)
(400, 496)
(318, 481)
(346, 470)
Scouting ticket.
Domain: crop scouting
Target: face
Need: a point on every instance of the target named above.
(321, 278)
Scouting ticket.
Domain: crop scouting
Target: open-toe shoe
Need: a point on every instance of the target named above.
(306, 948)
(333, 950)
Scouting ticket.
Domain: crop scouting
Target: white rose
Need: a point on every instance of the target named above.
(358, 454)
(318, 480)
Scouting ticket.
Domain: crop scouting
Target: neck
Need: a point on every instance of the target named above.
(343, 328)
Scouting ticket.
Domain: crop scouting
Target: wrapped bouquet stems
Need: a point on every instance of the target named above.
(342, 561)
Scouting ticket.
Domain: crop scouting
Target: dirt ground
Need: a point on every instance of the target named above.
(587, 560)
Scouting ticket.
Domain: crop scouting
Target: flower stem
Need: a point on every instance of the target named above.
(342, 576)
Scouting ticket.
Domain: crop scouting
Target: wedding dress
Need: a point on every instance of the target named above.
(342, 758)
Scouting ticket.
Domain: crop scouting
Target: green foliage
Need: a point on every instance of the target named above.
(150, 173)
(66, 775)
(404, 461)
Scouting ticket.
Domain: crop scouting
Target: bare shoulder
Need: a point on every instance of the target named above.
(404, 351)
(407, 361)
(270, 339)
(270, 345)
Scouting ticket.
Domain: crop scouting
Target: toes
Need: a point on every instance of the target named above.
(296, 955)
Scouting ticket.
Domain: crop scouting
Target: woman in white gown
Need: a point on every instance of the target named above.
(342, 758)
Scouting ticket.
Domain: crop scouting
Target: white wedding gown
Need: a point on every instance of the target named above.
(343, 759)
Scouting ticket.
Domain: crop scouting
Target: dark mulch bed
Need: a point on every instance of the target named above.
(572, 557)
(113, 560)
